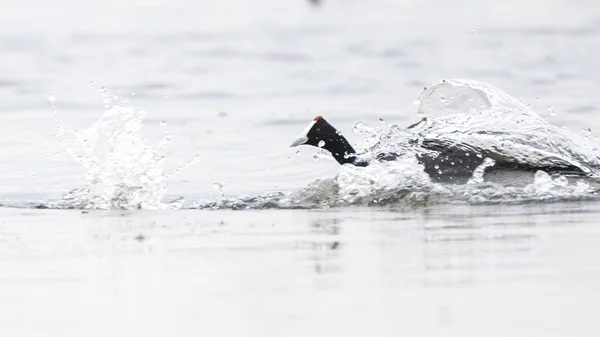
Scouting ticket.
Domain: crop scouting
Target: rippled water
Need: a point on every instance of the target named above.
(167, 105)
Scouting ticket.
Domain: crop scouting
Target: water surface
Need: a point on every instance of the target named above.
(233, 83)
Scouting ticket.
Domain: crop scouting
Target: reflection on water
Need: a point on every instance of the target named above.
(325, 254)
(316, 272)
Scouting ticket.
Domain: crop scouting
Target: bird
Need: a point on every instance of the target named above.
(443, 162)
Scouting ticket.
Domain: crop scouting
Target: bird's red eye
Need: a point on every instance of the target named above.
(318, 118)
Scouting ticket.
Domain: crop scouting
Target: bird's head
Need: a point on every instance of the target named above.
(321, 134)
(317, 133)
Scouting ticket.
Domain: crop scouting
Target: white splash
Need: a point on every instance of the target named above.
(123, 170)
(546, 187)
(481, 117)
(385, 182)
(477, 177)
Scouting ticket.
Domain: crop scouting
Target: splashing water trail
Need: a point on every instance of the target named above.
(487, 123)
(386, 183)
(123, 170)
(546, 187)
(484, 118)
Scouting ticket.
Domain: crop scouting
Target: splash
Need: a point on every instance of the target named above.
(385, 183)
(547, 187)
(474, 116)
(387, 138)
(483, 119)
(479, 119)
(479, 172)
(122, 168)
(395, 188)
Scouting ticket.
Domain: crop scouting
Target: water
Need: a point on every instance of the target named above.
(215, 92)
(511, 270)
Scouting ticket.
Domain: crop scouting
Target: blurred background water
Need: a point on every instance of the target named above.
(235, 82)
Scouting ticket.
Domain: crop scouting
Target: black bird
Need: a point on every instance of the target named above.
(321, 134)
(443, 162)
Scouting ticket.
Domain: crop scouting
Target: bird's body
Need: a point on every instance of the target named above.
(443, 162)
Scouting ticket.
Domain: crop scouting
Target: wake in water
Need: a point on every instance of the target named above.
(472, 119)
(405, 185)
(125, 171)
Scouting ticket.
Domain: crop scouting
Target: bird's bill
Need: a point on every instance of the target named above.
(299, 141)
(304, 139)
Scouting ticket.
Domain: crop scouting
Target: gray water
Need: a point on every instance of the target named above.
(234, 83)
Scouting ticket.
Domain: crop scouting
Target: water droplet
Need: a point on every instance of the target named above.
(437, 167)
(321, 143)
(472, 31)
(452, 163)
(298, 152)
(219, 187)
(315, 157)
(551, 110)
(479, 155)
(51, 98)
(163, 123)
(361, 127)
